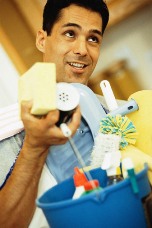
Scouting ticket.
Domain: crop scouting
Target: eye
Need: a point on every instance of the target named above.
(69, 34)
(93, 39)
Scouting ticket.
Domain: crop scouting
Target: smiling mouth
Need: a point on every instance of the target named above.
(77, 65)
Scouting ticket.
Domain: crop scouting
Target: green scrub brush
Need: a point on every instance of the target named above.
(121, 126)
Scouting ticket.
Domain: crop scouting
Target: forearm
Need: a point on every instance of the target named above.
(17, 198)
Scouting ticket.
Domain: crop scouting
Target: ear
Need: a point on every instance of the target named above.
(40, 40)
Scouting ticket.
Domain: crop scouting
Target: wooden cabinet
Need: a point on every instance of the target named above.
(18, 25)
(117, 73)
(121, 9)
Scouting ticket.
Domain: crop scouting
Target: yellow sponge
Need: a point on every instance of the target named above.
(39, 85)
(142, 119)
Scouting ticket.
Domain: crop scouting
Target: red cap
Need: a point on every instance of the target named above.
(90, 185)
(79, 177)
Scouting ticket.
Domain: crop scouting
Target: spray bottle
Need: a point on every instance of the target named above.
(106, 155)
(111, 161)
(91, 186)
(79, 181)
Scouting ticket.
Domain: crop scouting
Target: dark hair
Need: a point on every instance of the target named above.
(52, 11)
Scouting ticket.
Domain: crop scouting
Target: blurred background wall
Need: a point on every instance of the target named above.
(126, 53)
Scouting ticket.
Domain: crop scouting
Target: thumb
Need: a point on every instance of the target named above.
(26, 107)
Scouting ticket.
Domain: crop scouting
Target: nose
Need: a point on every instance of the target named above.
(80, 47)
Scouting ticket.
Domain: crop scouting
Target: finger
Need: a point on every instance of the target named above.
(56, 133)
(25, 108)
(26, 105)
(58, 142)
(52, 117)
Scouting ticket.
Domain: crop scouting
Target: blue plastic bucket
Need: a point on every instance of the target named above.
(114, 206)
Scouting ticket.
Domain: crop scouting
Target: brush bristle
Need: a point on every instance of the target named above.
(104, 143)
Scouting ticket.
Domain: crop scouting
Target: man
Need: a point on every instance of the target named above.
(71, 38)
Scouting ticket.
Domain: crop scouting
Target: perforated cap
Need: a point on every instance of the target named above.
(67, 96)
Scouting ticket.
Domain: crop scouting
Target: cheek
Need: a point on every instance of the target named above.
(95, 56)
(63, 46)
(58, 53)
(48, 53)
(52, 55)
(94, 53)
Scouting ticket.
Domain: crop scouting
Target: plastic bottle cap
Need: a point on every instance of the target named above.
(90, 185)
(79, 177)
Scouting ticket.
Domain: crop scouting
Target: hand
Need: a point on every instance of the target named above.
(42, 132)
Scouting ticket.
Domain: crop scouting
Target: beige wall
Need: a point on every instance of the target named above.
(130, 39)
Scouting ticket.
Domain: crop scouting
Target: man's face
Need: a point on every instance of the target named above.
(74, 44)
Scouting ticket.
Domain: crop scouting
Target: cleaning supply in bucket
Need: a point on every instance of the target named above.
(111, 162)
(90, 187)
(114, 177)
(123, 126)
(106, 155)
(67, 133)
(128, 171)
(139, 110)
(111, 102)
(108, 95)
(79, 181)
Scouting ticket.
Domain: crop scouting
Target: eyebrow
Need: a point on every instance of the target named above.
(78, 26)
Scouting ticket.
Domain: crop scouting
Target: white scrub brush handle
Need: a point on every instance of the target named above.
(108, 95)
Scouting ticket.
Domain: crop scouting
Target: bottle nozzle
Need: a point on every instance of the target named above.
(79, 177)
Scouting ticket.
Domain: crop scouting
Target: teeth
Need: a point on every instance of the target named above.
(79, 65)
